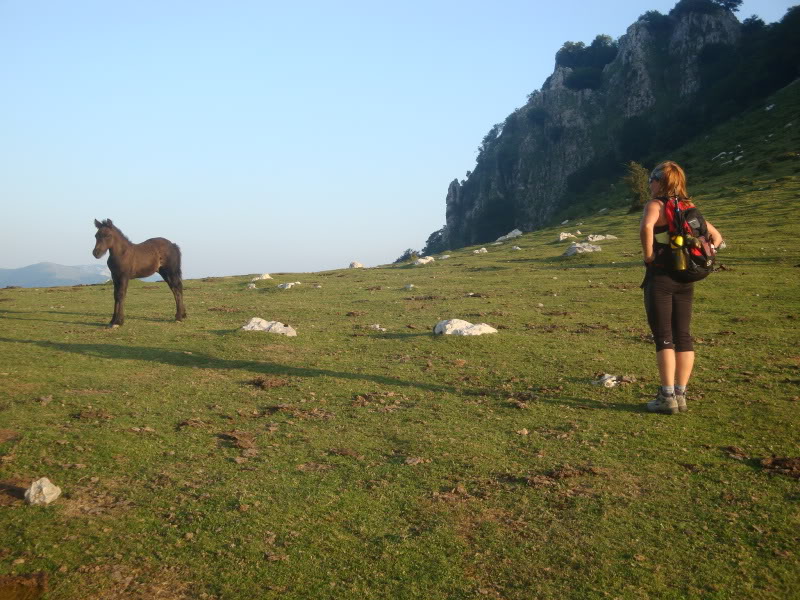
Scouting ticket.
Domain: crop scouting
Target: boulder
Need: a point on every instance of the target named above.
(286, 286)
(355, 265)
(565, 236)
(251, 286)
(581, 248)
(423, 260)
(600, 238)
(480, 251)
(42, 492)
(257, 324)
(444, 257)
(408, 286)
(516, 248)
(510, 235)
(260, 277)
(377, 327)
(460, 327)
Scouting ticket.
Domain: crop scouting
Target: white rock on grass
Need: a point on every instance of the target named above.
(461, 327)
(480, 251)
(355, 265)
(260, 277)
(423, 260)
(444, 257)
(408, 286)
(496, 243)
(602, 210)
(770, 107)
(581, 248)
(600, 238)
(42, 492)
(286, 286)
(516, 248)
(565, 236)
(257, 324)
(510, 235)
(564, 222)
(251, 286)
(377, 327)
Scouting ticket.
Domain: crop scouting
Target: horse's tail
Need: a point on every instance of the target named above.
(175, 261)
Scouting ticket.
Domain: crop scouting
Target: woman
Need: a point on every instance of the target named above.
(668, 303)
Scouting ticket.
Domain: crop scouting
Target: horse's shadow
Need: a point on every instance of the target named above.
(179, 358)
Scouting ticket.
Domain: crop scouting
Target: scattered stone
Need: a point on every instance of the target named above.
(496, 244)
(42, 492)
(377, 327)
(516, 248)
(610, 381)
(565, 236)
(581, 248)
(416, 460)
(317, 286)
(286, 286)
(523, 432)
(540, 305)
(770, 107)
(602, 210)
(423, 260)
(257, 324)
(408, 286)
(510, 235)
(251, 286)
(565, 221)
(355, 265)
(444, 257)
(461, 327)
(599, 238)
(261, 277)
(480, 251)
(44, 400)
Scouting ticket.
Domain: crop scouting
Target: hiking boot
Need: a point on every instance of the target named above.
(680, 399)
(663, 404)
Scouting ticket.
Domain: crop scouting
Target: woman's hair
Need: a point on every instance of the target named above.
(671, 180)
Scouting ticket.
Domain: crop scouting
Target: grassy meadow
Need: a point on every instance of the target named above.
(200, 461)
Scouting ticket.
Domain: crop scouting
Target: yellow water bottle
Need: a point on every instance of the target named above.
(678, 255)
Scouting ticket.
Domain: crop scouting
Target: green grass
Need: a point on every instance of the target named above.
(599, 499)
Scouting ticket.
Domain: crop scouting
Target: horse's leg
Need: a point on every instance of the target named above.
(120, 289)
(176, 285)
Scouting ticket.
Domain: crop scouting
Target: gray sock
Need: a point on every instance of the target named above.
(667, 390)
(680, 390)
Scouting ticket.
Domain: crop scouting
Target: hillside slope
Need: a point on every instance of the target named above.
(201, 461)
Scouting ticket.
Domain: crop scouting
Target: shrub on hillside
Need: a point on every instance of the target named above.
(408, 255)
(637, 181)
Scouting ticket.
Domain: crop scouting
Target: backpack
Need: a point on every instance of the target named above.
(692, 256)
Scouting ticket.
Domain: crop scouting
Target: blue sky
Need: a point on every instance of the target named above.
(263, 136)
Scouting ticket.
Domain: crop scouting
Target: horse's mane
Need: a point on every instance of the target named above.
(110, 225)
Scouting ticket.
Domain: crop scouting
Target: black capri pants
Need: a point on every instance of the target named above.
(668, 304)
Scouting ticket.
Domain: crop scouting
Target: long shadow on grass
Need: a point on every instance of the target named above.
(178, 358)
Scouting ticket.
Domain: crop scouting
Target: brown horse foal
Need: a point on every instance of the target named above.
(130, 261)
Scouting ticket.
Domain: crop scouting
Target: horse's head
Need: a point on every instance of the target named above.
(104, 237)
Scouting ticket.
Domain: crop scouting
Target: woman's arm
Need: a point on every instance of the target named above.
(651, 212)
(716, 236)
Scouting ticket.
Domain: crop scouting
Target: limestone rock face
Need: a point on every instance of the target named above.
(524, 165)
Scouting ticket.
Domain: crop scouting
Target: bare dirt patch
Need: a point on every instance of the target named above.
(266, 383)
(789, 466)
(12, 491)
(8, 435)
(23, 587)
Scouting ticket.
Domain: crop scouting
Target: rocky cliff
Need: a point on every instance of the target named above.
(586, 119)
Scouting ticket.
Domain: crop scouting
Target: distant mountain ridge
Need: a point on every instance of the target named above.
(47, 274)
